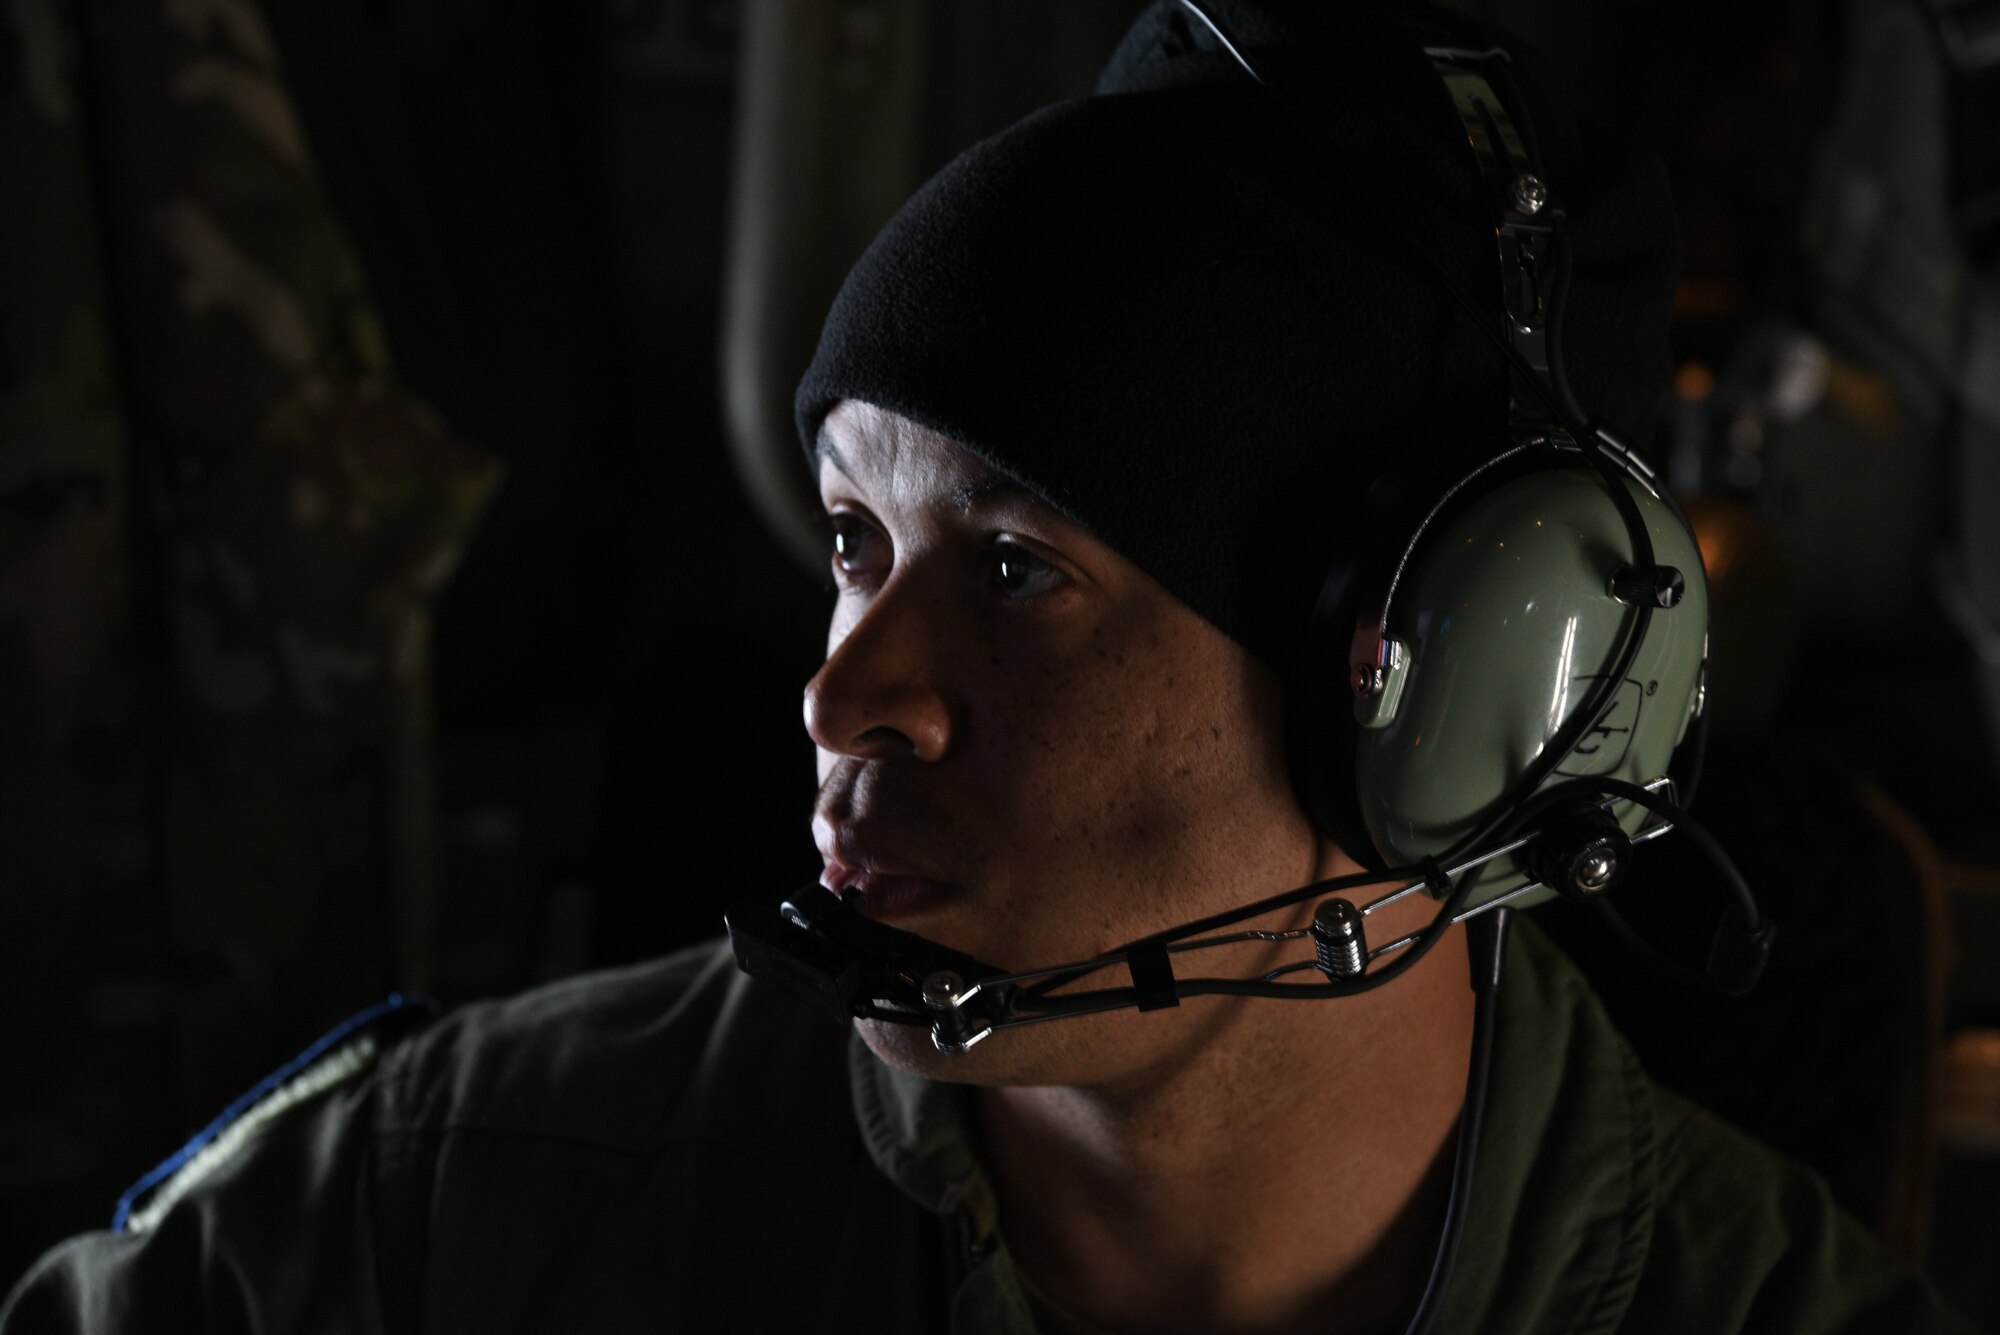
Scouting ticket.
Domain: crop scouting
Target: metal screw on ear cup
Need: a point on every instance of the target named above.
(1530, 195)
(1596, 871)
(1366, 681)
(1339, 941)
(1581, 853)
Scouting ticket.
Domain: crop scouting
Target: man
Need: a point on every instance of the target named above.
(1032, 751)
(1087, 421)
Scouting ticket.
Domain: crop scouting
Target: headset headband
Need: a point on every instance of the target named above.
(1525, 219)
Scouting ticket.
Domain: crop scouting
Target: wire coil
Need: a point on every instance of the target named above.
(1340, 942)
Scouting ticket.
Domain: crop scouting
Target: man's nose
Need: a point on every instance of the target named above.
(878, 693)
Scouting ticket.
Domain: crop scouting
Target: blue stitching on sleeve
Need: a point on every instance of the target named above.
(346, 1029)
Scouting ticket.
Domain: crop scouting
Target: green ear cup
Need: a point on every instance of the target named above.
(1507, 626)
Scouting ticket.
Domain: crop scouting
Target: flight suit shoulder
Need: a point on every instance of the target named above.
(253, 1225)
(1746, 1239)
(316, 1204)
(631, 1059)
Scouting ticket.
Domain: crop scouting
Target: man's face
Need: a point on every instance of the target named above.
(1030, 751)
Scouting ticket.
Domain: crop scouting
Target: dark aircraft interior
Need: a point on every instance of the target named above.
(408, 574)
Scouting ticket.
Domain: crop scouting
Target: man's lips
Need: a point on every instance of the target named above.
(883, 894)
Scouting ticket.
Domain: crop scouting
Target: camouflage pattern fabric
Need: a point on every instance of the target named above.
(222, 524)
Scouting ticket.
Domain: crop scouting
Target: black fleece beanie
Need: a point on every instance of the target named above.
(1172, 318)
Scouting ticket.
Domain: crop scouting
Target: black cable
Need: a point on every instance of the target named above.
(1688, 782)
(1097, 998)
(1655, 958)
(1522, 814)
(1667, 809)
(1488, 949)
(1227, 918)
(1036, 1002)
(1110, 998)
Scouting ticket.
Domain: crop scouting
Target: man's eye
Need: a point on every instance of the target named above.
(1022, 574)
(857, 548)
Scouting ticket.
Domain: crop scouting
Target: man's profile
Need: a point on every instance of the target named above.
(1090, 422)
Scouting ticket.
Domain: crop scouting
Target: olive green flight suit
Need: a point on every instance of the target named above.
(675, 1147)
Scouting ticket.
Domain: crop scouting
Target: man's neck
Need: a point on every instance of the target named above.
(1290, 1175)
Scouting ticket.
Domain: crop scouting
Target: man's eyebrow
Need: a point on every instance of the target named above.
(966, 496)
(980, 490)
(824, 448)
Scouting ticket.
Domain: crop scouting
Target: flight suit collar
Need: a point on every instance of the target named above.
(922, 1137)
(1562, 1195)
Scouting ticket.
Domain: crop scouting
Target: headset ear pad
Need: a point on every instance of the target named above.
(1507, 626)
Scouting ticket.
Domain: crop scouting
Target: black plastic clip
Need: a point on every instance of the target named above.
(779, 951)
(1650, 586)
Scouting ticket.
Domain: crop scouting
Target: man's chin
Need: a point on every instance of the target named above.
(1002, 1059)
(1081, 1052)
(908, 1048)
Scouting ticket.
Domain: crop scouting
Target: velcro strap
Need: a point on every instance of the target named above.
(1152, 976)
(1435, 880)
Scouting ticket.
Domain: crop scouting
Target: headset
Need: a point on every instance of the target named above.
(1492, 730)
(1486, 711)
